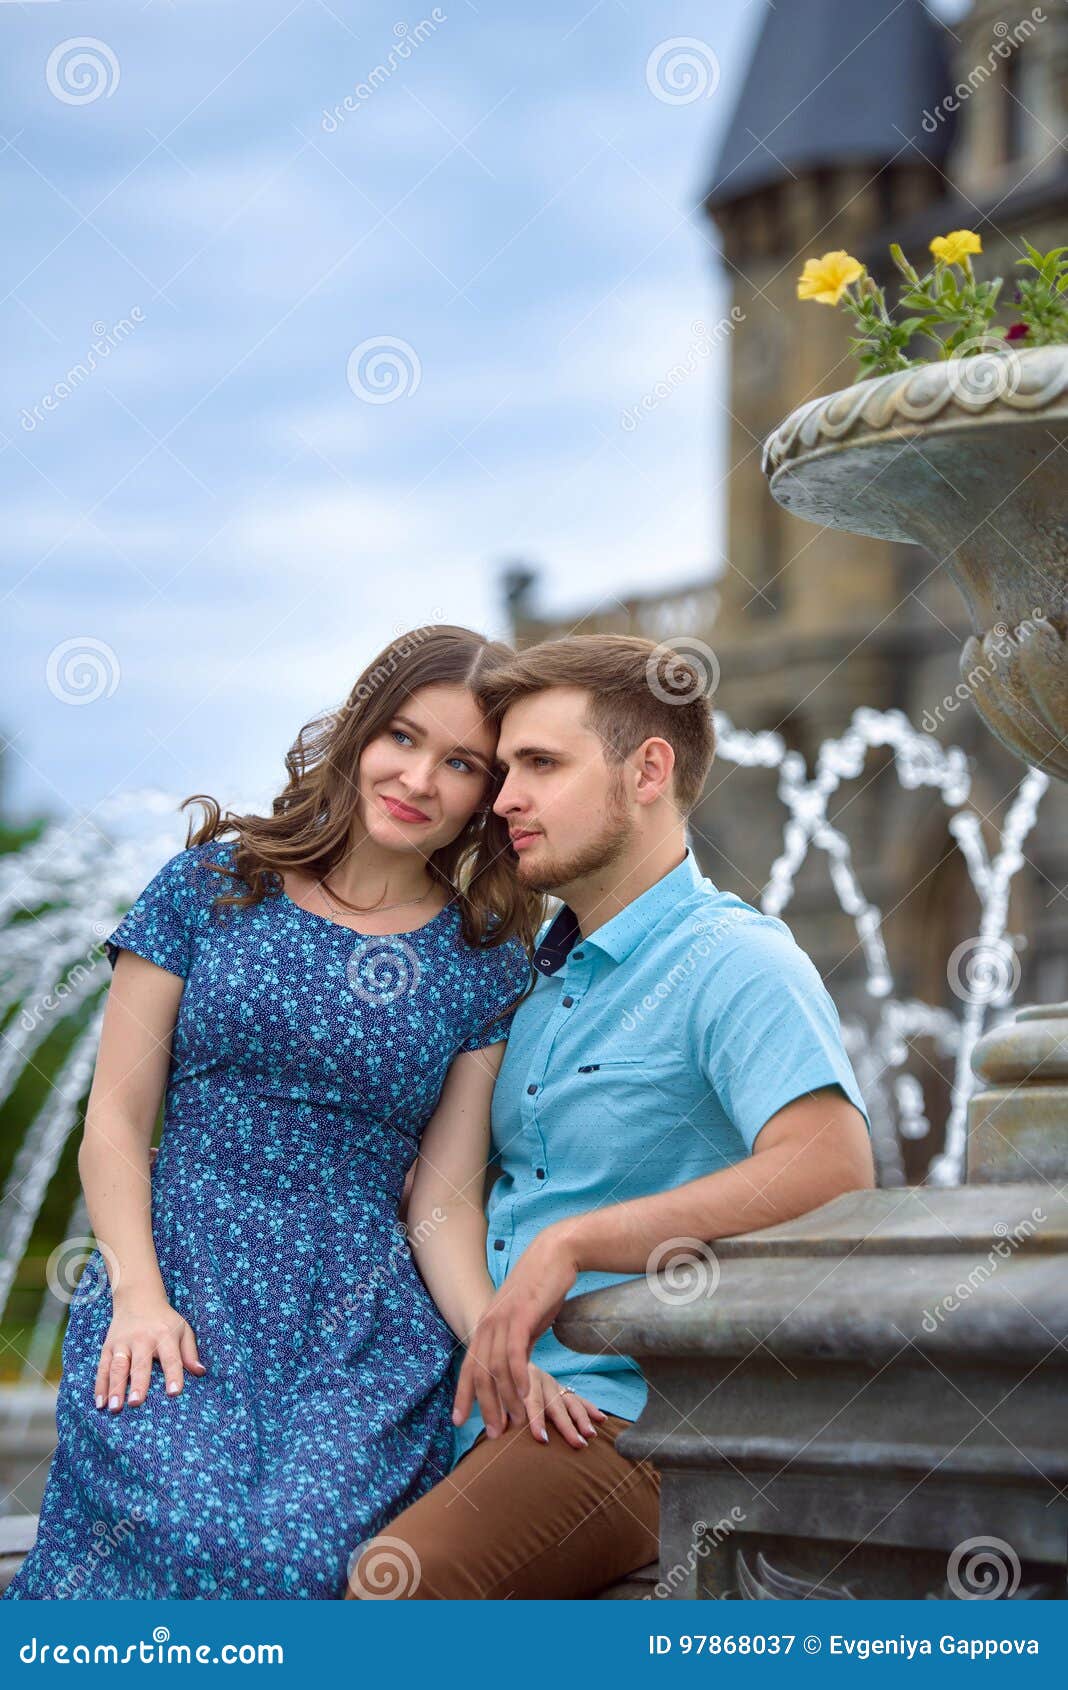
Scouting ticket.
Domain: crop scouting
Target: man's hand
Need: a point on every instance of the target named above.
(495, 1368)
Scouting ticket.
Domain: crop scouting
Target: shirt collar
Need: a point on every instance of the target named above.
(619, 936)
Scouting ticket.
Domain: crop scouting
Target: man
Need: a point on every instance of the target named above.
(676, 1075)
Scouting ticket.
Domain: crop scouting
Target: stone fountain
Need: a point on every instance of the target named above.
(870, 1401)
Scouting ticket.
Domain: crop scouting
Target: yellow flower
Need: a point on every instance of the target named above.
(826, 279)
(955, 248)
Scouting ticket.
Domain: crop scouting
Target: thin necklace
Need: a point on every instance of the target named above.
(373, 909)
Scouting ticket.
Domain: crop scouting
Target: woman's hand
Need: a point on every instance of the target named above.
(572, 1415)
(142, 1329)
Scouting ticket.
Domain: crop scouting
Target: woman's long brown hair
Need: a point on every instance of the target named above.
(310, 825)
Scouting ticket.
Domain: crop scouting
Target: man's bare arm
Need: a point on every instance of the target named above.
(814, 1149)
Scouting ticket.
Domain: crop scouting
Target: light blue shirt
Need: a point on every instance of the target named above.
(647, 1055)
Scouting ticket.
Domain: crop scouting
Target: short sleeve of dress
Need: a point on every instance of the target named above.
(161, 924)
(507, 977)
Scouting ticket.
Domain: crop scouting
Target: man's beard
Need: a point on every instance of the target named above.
(597, 854)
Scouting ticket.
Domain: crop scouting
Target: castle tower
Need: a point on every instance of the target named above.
(825, 148)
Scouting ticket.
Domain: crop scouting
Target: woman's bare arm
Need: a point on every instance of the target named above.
(113, 1161)
(446, 1217)
(447, 1232)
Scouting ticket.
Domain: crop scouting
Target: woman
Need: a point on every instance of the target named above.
(261, 1380)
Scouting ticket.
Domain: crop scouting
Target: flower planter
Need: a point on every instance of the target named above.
(966, 458)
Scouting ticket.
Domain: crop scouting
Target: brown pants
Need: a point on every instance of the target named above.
(519, 1519)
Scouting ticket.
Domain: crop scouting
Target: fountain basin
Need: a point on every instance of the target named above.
(965, 458)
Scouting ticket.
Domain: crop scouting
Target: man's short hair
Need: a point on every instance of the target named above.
(638, 690)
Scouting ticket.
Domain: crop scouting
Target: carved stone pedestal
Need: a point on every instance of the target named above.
(871, 1401)
(1018, 1121)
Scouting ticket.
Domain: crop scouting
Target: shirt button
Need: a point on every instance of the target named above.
(578, 956)
(498, 1243)
(540, 1172)
(531, 1090)
(567, 1002)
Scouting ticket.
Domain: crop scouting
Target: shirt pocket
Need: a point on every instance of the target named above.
(648, 1063)
(660, 1087)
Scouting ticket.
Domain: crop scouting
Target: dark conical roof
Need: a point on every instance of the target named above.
(834, 82)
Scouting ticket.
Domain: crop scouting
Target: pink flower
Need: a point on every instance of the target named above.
(1018, 331)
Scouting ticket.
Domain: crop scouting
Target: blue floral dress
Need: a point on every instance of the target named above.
(306, 1061)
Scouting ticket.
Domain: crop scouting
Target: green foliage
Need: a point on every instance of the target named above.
(1043, 307)
(954, 313)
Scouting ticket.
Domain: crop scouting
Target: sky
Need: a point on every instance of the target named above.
(350, 343)
(316, 318)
